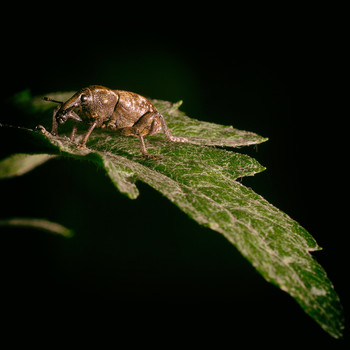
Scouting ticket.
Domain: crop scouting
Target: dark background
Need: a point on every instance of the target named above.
(145, 262)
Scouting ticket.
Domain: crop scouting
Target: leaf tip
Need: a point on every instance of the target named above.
(178, 103)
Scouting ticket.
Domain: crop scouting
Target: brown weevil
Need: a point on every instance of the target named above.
(126, 112)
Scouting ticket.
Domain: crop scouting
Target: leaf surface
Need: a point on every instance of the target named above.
(202, 181)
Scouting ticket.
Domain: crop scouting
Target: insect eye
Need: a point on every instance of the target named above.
(83, 98)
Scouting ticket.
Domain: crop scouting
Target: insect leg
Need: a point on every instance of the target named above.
(76, 119)
(144, 150)
(168, 134)
(146, 125)
(132, 131)
(74, 130)
(86, 136)
(143, 146)
(54, 121)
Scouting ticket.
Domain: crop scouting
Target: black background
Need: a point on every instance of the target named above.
(144, 262)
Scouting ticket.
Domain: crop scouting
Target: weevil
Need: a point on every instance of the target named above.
(117, 110)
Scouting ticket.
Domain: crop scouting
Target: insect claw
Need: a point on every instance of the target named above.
(152, 156)
(42, 130)
(81, 146)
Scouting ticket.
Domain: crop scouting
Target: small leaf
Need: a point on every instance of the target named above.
(40, 224)
(21, 163)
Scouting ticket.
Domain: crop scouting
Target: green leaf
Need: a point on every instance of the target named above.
(21, 163)
(204, 133)
(202, 181)
(39, 224)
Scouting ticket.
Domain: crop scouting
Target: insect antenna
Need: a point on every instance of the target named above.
(45, 98)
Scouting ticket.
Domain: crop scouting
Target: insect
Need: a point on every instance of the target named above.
(126, 112)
